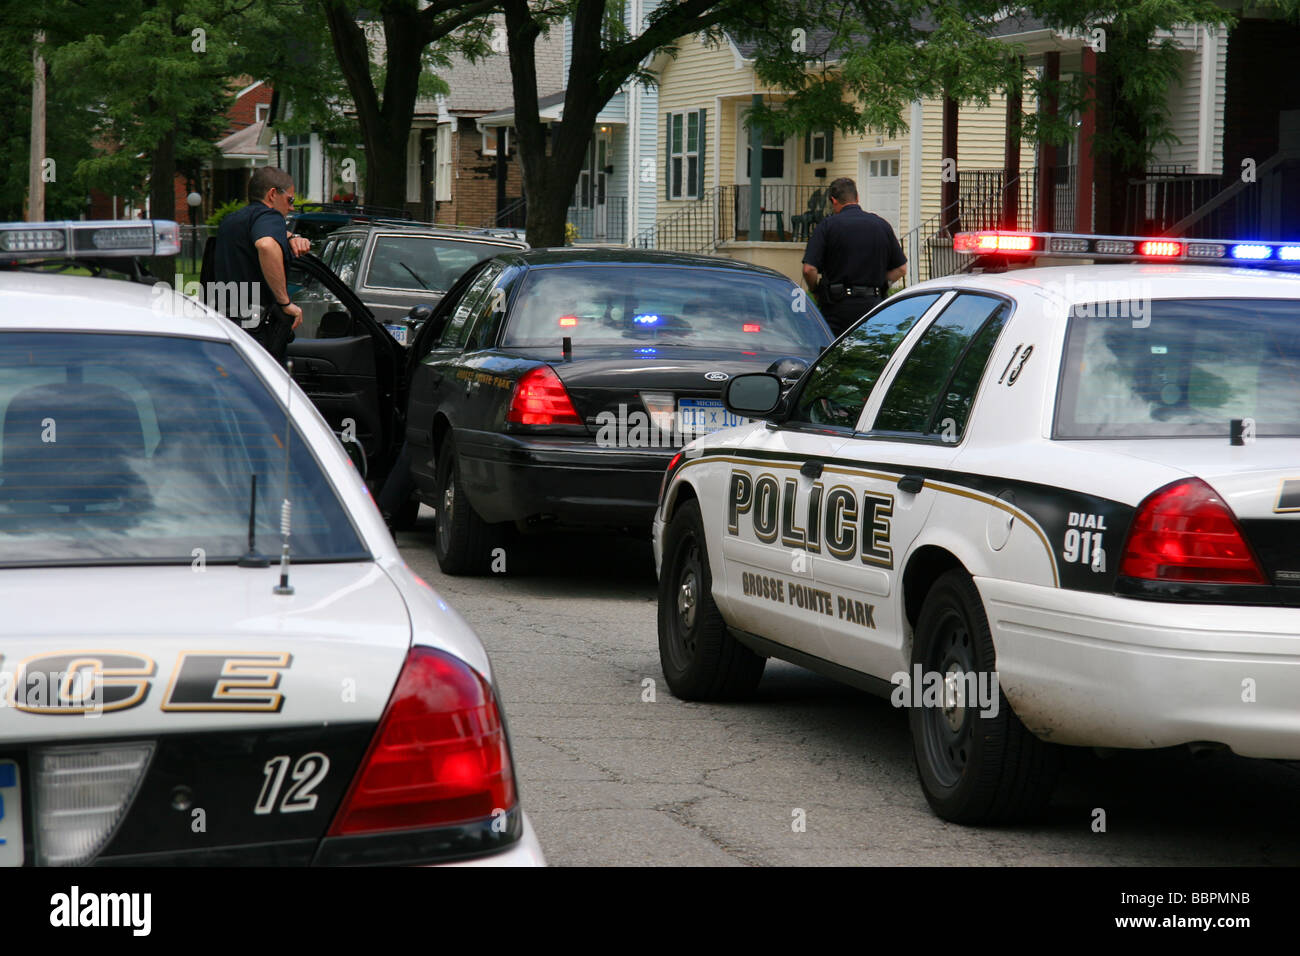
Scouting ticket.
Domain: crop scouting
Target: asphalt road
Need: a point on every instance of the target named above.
(614, 770)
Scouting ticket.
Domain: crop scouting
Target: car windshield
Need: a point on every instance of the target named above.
(141, 448)
(423, 263)
(1186, 368)
(693, 307)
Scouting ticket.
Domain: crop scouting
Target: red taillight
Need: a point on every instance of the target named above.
(541, 399)
(751, 327)
(668, 475)
(1160, 247)
(568, 321)
(440, 755)
(1184, 532)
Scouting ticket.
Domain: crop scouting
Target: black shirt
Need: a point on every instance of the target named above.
(855, 248)
(235, 255)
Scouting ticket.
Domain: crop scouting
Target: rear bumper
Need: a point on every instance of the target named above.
(525, 851)
(1104, 671)
(568, 478)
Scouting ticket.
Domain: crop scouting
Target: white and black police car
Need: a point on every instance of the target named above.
(1045, 506)
(210, 649)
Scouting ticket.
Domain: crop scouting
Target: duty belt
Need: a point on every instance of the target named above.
(861, 290)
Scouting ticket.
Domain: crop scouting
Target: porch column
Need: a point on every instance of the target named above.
(1011, 153)
(948, 185)
(1086, 169)
(755, 176)
(1044, 213)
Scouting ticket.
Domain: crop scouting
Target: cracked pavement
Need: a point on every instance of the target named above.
(609, 778)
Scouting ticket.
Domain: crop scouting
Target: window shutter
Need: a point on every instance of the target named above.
(807, 147)
(699, 181)
(830, 144)
(668, 156)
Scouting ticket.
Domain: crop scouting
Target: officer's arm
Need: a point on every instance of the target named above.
(893, 275)
(271, 259)
(811, 276)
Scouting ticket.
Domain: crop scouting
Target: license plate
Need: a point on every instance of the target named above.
(398, 332)
(11, 815)
(700, 416)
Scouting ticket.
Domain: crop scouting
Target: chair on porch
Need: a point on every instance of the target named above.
(803, 224)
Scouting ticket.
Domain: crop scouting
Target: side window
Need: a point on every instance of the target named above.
(838, 385)
(932, 393)
(345, 267)
(491, 311)
(323, 315)
(468, 307)
(329, 252)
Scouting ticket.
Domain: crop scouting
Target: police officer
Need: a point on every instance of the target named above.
(254, 247)
(851, 259)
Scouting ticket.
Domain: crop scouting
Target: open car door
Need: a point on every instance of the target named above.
(351, 368)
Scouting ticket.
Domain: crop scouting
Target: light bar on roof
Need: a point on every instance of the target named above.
(89, 239)
(1127, 248)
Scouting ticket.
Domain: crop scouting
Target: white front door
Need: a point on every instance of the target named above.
(879, 185)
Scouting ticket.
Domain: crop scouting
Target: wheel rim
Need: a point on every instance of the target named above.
(689, 578)
(446, 511)
(948, 729)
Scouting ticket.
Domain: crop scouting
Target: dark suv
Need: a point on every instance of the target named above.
(393, 267)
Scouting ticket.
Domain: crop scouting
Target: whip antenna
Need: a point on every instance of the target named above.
(284, 587)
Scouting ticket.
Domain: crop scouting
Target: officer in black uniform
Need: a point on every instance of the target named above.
(851, 259)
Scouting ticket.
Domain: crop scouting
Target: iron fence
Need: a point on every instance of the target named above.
(693, 228)
(606, 222)
(786, 213)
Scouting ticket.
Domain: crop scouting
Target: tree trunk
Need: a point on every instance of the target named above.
(162, 195)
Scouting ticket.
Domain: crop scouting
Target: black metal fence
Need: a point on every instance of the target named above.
(692, 228)
(786, 213)
(606, 222)
(1155, 203)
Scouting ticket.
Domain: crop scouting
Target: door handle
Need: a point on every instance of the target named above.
(811, 469)
(911, 483)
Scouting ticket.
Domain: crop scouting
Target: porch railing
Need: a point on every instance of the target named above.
(693, 228)
(786, 213)
(607, 223)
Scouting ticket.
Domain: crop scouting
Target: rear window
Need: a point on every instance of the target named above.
(643, 305)
(1197, 365)
(422, 263)
(137, 448)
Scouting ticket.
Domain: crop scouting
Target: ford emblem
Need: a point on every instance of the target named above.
(716, 376)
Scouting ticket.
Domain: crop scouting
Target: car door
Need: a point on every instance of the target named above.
(437, 385)
(348, 365)
(916, 422)
(789, 509)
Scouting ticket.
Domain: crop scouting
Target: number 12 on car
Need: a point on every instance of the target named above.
(308, 772)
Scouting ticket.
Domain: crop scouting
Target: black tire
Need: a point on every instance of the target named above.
(974, 769)
(462, 541)
(700, 659)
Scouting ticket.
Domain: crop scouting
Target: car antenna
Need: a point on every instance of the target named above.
(284, 587)
(252, 559)
(567, 345)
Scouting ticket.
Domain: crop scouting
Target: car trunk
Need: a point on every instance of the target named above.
(670, 386)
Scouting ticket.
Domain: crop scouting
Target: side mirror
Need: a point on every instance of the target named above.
(788, 370)
(418, 315)
(756, 395)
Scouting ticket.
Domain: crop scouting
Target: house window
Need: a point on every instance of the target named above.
(773, 155)
(259, 112)
(819, 147)
(442, 192)
(685, 141)
(298, 161)
(491, 135)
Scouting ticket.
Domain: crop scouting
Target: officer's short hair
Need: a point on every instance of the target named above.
(265, 178)
(844, 190)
